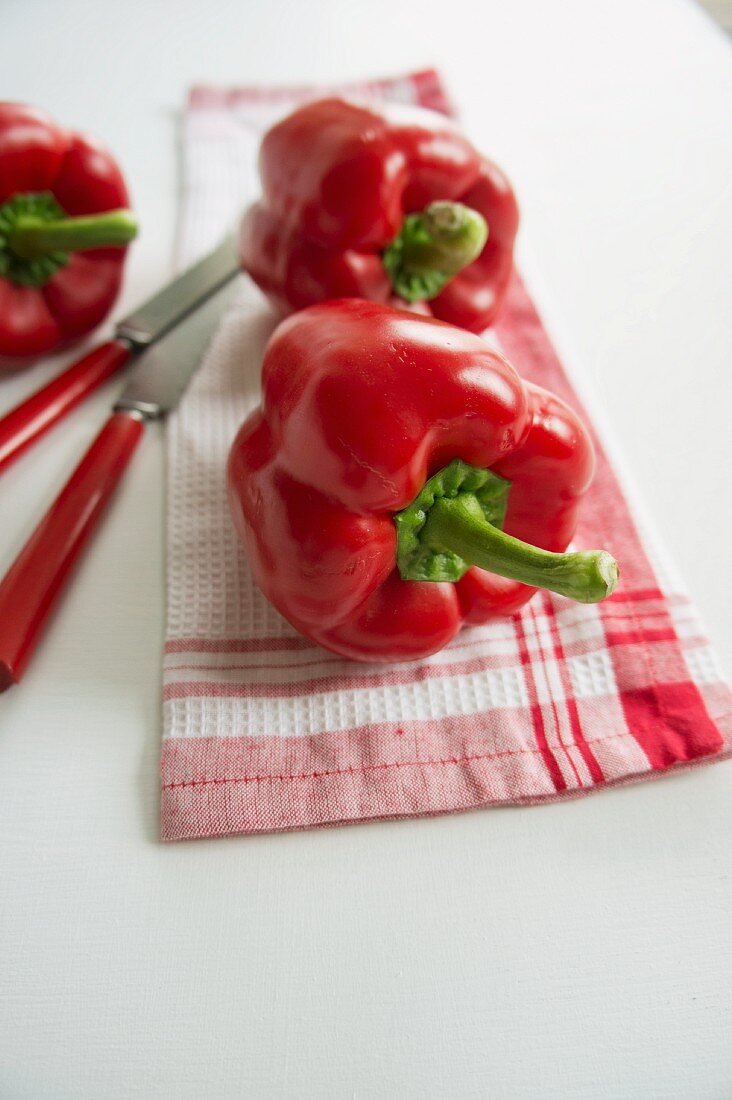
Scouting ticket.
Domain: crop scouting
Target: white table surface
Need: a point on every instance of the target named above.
(573, 950)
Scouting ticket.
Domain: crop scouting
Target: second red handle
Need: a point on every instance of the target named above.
(35, 580)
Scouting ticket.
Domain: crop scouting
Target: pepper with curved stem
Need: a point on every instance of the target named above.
(342, 519)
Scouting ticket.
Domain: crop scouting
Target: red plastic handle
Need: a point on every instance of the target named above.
(29, 420)
(36, 577)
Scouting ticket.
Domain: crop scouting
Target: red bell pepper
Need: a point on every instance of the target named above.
(61, 228)
(394, 203)
(400, 479)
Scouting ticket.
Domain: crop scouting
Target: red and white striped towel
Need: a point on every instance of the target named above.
(264, 730)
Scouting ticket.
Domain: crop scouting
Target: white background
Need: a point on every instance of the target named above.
(573, 950)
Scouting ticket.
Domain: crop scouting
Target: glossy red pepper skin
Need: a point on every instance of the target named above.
(37, 155)
(338, 179)
(361, 404)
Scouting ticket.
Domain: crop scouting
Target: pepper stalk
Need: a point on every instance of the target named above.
(432, 247)
(36, 236)
(455, 522)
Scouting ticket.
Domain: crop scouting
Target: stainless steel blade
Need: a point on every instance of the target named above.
(161, 373)
(165, 309)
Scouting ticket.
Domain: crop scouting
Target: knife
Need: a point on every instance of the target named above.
(35, 580)
(28, 421)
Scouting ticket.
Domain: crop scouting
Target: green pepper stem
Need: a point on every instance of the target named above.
(455, 236)
(458, 524)
(32, 237)
(432, 247)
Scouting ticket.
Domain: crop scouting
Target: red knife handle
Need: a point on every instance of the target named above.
(35, 580)
(34, 416)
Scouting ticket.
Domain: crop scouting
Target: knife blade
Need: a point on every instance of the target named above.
(148, 324)
(161, 373)
(159, 314)
(35, 580)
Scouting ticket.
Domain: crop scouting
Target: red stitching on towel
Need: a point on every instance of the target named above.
(369, 767)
